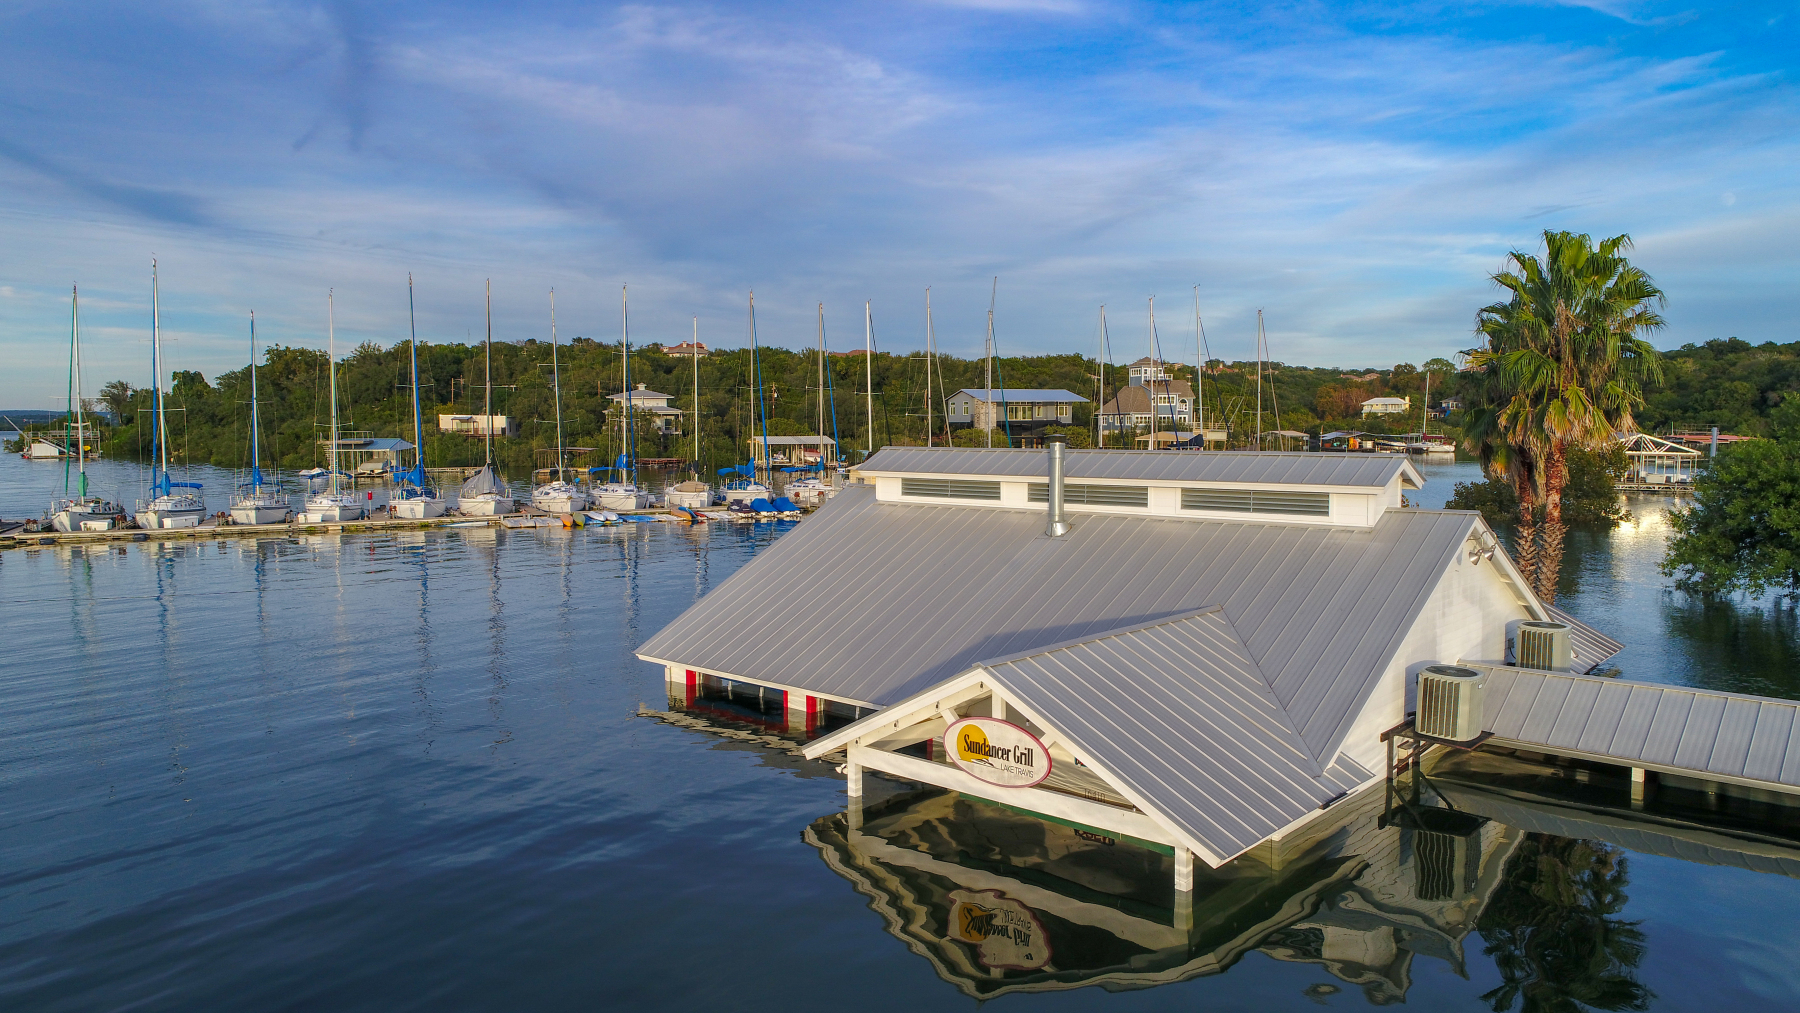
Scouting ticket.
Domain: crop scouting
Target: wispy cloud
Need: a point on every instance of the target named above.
(1359, 183)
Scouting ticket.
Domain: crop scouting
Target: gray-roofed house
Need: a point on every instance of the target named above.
(1209, 655)
(1027, 413)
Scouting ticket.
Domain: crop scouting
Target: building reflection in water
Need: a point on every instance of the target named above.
(1000, 901)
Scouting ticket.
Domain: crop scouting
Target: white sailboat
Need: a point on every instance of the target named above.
(332, 504)
(257, 502)
(413, 498)
(484, 495)
(167, 508)
(80, 512)
(622, 493)
(692, 494)
(558, 495)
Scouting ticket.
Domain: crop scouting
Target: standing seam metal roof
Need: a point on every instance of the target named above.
(1178, 713)
(901, 596)
(1730, 734)
(1366, 471)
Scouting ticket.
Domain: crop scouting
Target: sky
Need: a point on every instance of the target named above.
(1354, 171)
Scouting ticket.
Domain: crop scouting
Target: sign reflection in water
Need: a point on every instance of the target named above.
(1070, 908)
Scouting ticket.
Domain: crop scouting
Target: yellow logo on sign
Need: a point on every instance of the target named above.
(972, 744)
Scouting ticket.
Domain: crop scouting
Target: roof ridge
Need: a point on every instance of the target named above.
(1102, 635)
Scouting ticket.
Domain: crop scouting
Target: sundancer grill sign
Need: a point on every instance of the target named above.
(998, 752)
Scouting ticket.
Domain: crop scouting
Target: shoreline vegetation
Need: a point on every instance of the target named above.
(1727, 382)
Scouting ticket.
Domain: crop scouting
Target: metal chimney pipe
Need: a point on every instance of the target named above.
(1058, 525)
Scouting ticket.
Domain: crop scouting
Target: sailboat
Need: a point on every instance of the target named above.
(558, 496)
(742, 491)
(167, 508)
(332, 504)
(255, 502)
(414, 499)
(622, 492)
(813, 488)
(484, 495)
(692, 494)
(80, 512)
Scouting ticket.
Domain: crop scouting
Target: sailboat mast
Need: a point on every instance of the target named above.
(1100, 381)
(988, 368)
(821, 389)
(1425, 410)
(487, 404)
(75, 389)
(159, 439)
(412, 330)
(930, 354)
(1259, 377)
(869, 366)
(331, 354)
(756, 380)
(1155, 367)
(696, 351)
(1199, 374)
(627, 438)
(255, 447)
(556, 382)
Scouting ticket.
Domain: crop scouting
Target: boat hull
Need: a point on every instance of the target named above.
(333, 509)
(260, 513)
(484, 506)
(419, 508)
(620, 500)
(158, 520)
(560, 502)
(690, 500)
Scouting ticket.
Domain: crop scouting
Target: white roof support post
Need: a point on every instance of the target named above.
(1184, 889)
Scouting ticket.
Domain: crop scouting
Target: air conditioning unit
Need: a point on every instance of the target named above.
(1451, 699)
(1545, 646)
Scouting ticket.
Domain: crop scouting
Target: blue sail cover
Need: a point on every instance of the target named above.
(414, 476)
(163, 486)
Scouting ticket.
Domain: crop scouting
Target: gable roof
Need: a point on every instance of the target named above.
(1343, 472)
(902, 596)
(1180, 716)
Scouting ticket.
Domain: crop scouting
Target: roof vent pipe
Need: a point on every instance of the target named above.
(1056, 444)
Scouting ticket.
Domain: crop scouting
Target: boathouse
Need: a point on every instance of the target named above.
(1195, 650)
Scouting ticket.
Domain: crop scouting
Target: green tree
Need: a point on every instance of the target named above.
(1743, 532)
(1590, 499)
(1563, 367)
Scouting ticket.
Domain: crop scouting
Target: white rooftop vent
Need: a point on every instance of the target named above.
(1545, 646)
(1450, 703)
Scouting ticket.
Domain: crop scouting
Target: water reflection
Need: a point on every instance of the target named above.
(999, 901)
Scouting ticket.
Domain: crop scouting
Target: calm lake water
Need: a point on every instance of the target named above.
(406, 771)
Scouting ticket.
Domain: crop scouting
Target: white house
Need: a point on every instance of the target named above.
(653, 405)
(477, 425)
(1387, 406)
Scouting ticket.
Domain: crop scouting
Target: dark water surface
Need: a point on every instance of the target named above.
(405, 772)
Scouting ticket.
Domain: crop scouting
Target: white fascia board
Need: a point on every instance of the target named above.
(784, 687)
(916, 708)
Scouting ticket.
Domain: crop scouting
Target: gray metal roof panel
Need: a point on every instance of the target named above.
(1364, 471)
(1179, 714)
(891, 605)
(1022, 394)
(1592, 648)
(1729, 734)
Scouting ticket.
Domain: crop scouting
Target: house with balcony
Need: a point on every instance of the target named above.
(1387, 406)
(652, 409)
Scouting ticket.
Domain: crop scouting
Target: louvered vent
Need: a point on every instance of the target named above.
(1095, 495)
(1545, 646)
(1257, 501)
(1450, 703)
(949, 488)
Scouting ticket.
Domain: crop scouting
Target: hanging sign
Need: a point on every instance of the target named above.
(998, 752)
(1005, 933)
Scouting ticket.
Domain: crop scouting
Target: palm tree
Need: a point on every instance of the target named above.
(1563, 366)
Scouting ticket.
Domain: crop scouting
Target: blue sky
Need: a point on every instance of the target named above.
(1356, 171)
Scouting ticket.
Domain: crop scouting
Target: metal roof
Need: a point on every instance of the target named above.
(1732, 735)
(901, 596)
(1180, 715)
(1364, 471)
(1020, 394)
(1592, 648)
